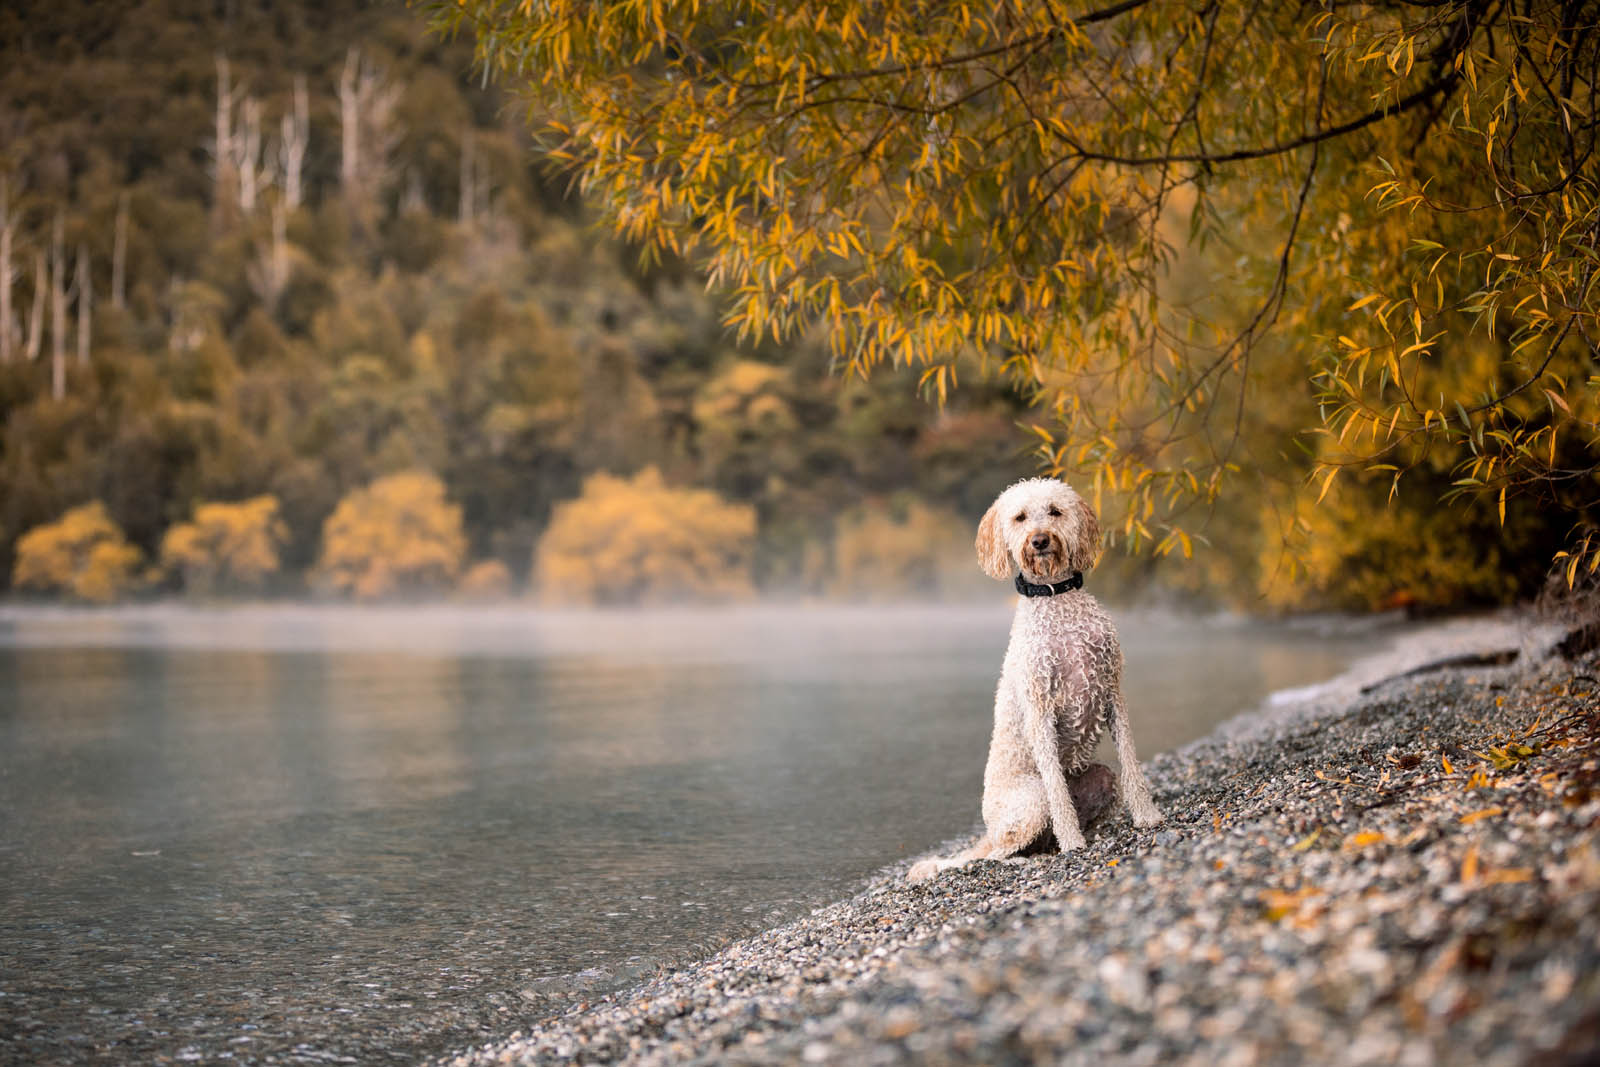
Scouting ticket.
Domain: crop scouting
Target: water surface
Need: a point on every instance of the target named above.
(293, 834)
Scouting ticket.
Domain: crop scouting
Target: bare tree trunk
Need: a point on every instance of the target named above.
(84, 288)
(119, 256)
(36, 317)
(369, 132)
(227, 176)
(247, 154)
(269, 274)
(465, 212)
(7, 277)
(350, 125)
(296, 138)
(58, 309)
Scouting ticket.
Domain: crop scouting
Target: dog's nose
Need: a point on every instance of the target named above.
(1041, 542)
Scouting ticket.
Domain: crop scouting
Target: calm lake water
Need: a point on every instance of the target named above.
(294, 834)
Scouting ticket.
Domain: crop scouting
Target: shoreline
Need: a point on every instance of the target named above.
(1377, 863)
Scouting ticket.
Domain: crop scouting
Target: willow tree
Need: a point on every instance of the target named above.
(1131, 212)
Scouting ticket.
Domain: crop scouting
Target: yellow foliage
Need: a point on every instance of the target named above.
(947, 186)
(487, 579)
(398, 535)
(879, 552)
(629, 540)
(1354, 552)
(226, 544)
(83, 554)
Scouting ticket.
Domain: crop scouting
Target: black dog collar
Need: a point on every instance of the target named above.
(1027, 588)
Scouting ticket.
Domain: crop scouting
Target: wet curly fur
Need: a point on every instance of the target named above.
(1060, 686)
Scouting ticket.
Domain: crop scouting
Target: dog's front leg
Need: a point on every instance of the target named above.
(1131, 781)
(1039, 726)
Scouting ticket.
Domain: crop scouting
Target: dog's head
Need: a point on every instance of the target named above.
(1044, 526)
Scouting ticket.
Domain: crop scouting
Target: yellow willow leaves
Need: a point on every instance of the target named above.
(1028, 191)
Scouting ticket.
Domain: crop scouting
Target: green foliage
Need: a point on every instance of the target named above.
(82, 554)
(397, 536)
(226, 547)
(638, 540)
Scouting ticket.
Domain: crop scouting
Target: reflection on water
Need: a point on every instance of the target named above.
(242, 831)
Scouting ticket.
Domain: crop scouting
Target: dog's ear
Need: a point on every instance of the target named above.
(1082, 555)
(992, 556)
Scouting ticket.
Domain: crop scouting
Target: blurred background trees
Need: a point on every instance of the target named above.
(288, 251)
(83, 554)
(398, 535)
(636, 540)
(225, 548)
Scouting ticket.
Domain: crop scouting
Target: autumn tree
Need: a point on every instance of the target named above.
(1397, 199)
(82, 554)
(226, 546)
(901, 549)
(628, 540)
(399, 535)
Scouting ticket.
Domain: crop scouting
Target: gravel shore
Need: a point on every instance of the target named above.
(1400, 867)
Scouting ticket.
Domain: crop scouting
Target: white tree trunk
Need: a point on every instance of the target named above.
(223, 147)
(369, 131)
(58, 309)
(85, 295)
(119, 256)
(7, 277)
(247, 157)
(296, 138)
(36, 317)
(350, 124)
(269, 273)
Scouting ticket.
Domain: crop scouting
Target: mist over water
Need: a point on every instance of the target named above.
(252, 828)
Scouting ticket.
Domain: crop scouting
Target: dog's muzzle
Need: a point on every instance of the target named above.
(1043, 554)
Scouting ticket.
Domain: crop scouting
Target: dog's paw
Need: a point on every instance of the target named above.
(1072, 842)
(923, 870)
(1146, 817)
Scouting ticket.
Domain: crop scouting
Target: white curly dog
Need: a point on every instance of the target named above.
(1061, 684)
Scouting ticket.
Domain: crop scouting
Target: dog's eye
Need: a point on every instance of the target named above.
(1020, 516)
(1055, 512)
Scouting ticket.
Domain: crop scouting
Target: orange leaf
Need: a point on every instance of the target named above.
(1484, 814)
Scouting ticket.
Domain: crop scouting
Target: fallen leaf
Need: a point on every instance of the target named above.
(1469, 864)
(1484, 814)
(1365, 838)
(1278, 903)
(1307, 841)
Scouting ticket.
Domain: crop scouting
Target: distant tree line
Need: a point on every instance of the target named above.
(267, 267)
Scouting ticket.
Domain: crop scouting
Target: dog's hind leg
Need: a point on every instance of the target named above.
(1019, 818)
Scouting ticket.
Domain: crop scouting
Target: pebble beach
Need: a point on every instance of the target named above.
(1401, 866)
